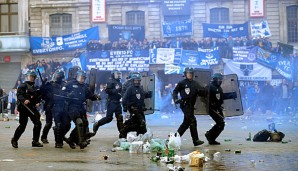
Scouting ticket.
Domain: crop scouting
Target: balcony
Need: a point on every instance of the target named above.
(14, 43)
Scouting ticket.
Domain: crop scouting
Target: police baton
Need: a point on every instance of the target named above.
(27, 108)
(40, 76)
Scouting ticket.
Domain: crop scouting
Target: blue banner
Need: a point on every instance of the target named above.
(178, 28)
(189, 57)
(126, 32)
(128, 60)
(165, 56)
(176, 7)
(45, 45)
(266, 58)
(244, 54)
(285, 68)
(225, 30)
(208, 56)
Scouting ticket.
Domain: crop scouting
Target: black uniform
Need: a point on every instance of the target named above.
(113, 90)
(133, 101)
(28, 91)
(46, 96)
(126, 85)
(188, 90)
(53, 92)
(77, 95)
(216, 98)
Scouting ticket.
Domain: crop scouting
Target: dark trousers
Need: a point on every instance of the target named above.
(12, 107)
(112, 107)
(49, 122)
(217, 115)
(137, 123)
(61, 120)
(189, 121)
(76, 112)
(24, 115)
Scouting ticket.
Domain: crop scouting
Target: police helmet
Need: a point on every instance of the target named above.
(217, 76)
(31, 73)
(116, 74)
(59, 75)
(131, 73)
(81, 73)
(136, 78)
(188, 70)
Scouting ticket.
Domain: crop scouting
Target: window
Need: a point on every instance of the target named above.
(292, 23)
(219, 15)
(9, 17)
(135, 18)
(60, 24)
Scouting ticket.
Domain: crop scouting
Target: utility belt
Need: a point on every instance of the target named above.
(113, 101)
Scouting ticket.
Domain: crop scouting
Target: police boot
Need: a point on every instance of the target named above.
(36, 144)
(95, 128)
(80, 133)
(210, 140)
(198, 142)
(14, 143)
(58, 137)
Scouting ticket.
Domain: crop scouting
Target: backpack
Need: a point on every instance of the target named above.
(262, 136)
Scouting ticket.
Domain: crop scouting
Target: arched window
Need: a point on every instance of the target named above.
(292, 23)
(219, 15)
(135, 18)
(60, 24)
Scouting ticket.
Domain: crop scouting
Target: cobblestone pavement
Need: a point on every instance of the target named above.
(254, 156)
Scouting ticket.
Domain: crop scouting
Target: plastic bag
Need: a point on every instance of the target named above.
(146, 147)
(157, 145)
(118, 142)
(147, 136)
(174, 141)
(136, 147)
(125, 145)
(131, 137)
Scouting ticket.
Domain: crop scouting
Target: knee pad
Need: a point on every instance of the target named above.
(79, 122)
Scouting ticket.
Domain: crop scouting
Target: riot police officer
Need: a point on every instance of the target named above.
(53, 92)
(77, 93)
(46, 96)
(128, 82)
(29, 97)
(133, 101)
(216, 98)
(188, 89)
(114, 87)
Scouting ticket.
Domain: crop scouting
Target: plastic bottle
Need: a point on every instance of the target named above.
(217, 156)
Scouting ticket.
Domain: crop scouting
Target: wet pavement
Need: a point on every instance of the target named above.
(253, 156)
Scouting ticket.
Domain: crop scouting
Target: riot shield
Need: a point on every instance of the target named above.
(232, 107)
(72, 73)
(203, 77)
(148, 84)
(91, 83)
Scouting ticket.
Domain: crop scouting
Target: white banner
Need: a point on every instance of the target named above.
(260, 29)
(256, 8)
(165, 56)
(247, 71)
(98, 10)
